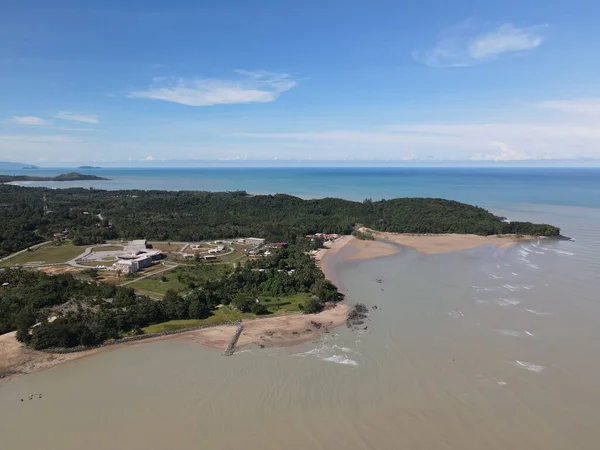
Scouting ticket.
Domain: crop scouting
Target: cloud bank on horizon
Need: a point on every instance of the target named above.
(359, 84)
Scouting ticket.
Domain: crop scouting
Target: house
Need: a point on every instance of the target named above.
(210, 257)
(255, 241)
(217, 249)
(196, 246)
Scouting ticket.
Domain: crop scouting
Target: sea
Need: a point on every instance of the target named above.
(482, 349)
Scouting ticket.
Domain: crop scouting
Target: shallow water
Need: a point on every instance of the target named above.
(488, 348)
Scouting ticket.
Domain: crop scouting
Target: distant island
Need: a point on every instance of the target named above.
(72, 176)
(89, 167)
(9, 165)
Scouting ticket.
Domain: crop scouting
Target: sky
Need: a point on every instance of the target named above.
(234, 80)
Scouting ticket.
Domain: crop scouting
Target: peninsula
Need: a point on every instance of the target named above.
(213, 273)
(71, 176)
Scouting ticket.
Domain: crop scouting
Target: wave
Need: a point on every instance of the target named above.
(515, 333)
(339, 359)
(528, 366)
(537, 313)
(507, 302)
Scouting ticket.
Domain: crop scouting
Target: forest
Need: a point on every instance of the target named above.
(89, 313)
(32, 215)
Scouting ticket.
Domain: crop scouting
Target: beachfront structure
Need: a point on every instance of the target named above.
(254, 241)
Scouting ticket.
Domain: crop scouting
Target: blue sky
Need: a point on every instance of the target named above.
(311, 80)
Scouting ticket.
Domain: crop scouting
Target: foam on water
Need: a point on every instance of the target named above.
(339, 359)
(528, 366)
(515, 333)
(507, 302)
(537, 313)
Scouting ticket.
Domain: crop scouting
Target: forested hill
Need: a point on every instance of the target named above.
(71, 176)
(193, 216)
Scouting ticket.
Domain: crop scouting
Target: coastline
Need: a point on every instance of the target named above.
(285, 330)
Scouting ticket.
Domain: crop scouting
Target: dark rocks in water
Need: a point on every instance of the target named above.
(357, 315)
(365, 328)
(382, 289)
(379, 280)
(374, 306)
(316, 325)
(261, 345)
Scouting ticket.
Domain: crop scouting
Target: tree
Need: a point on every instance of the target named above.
(313, 305)
(243, 303)
(259, 309)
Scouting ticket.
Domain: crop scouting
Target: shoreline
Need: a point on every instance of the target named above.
(277, 331)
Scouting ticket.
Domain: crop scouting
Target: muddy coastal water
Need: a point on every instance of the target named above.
(487, 348)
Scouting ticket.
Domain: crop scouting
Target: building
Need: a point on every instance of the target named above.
(217, 249)
(254, 241)
(210, 257)
(126, 266)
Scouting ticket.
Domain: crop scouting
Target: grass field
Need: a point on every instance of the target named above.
(47, 254)
(166, 247)
(228, 314)
(179, 279)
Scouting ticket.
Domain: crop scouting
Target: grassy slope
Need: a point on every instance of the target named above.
(47, 254)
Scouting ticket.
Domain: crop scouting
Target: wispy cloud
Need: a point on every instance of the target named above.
(49, 139)
(29, 120)
(531, 137)
(582, 107)
(247, 87)
(470, 43)
(77, 117)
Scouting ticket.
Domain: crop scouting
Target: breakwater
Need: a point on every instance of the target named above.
(231, 347)
(141, 337)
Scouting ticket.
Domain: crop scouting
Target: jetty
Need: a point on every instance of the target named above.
(231, 347)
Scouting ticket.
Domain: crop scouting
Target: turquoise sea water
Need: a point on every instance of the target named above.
(491, 187)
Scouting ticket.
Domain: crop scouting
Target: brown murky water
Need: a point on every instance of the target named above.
(485, 349)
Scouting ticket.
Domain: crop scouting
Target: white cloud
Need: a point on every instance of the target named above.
(248, 87)
(469, 43)
(583, 107)
(29, 120)
(505, 154)
(535, 138)
(150, 158)
(76, 117)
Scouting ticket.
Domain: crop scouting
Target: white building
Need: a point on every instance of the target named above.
(126, 266)
(254, 241)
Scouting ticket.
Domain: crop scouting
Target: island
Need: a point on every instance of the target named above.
(89, 167)
(77, 276)
(71, 176)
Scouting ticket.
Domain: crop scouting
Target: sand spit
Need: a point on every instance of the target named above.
(444, 243)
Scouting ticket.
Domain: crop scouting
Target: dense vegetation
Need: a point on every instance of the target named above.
(88, 313)
(71, 176)
(194, 216)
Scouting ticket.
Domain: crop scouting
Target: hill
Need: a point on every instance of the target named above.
(72, 176)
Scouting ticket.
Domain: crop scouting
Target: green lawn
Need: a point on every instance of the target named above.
(179, 278)
(228, 314)
(47, 254)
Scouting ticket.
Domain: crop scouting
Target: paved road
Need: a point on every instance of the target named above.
(33, 247)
